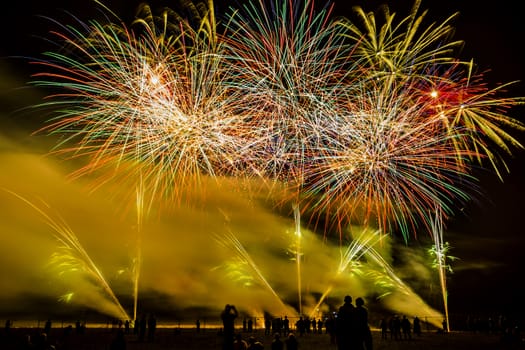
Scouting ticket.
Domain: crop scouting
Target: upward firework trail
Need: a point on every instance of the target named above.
(243, 258)
(440, 257)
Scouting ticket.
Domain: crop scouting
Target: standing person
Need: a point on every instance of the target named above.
(330, 328)
(320, 326)
(344, 328)
(228, 316)
(136, 326)
(198, 326)
(417, 326)
(8, 324)
(152, 327)
(363, 334)
(395, 328)
(143, 324)
(286, 325)
(300, 326)
(384, 328)
(267, 325)
(47, 327)
(406, 327)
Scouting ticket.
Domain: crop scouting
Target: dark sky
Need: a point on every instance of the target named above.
(489, 228)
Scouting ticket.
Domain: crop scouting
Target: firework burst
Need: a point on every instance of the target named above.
(289, 62)
(146, 103)
(386, 160)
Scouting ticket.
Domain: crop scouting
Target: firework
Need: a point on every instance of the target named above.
(244, 259)
(439, 252)
(379, 125)
(424, 59)
(385, 160)
(289, 63)
(72, 257)
(400, 50)
(405, 137)
(372, 120)
(468, 106)
(145, 103)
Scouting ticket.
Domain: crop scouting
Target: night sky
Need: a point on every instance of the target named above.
(487, 235)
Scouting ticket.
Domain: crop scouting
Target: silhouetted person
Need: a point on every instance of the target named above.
(78, 326)
(291, 342)
(417, 326)
(143, 324)
(136, 326)
(363, 335)
(250, 325)
(395, 327)
(47, 327)
(8, 324)
(330, 329)
(228, 316)
(286, 325)
(344, 325)
(119, 342)
(152, 327)
(300, 325)
(406, 327)
(198, 326)
(320, 326)
(277, 325)
(267, 325)
(307, 324)
(444, 323)
(383, 325)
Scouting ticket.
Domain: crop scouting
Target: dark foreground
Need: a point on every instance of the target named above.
(169, 338)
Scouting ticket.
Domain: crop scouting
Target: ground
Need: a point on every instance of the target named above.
(189, 339)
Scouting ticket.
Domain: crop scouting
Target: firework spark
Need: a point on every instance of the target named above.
(72, 257)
